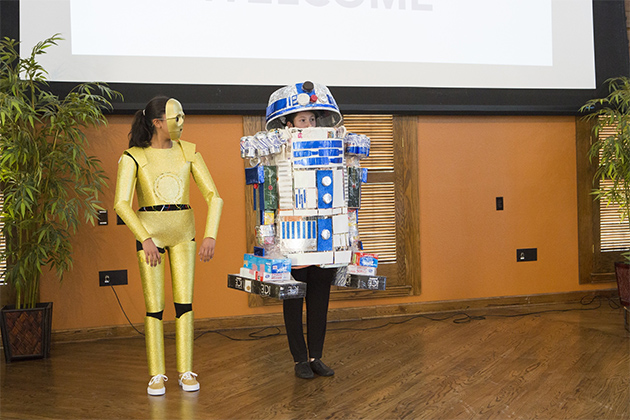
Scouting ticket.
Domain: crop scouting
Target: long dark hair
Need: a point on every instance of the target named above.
(142, 128)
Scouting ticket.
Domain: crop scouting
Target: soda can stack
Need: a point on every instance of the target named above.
(357, 144)
(262, 144)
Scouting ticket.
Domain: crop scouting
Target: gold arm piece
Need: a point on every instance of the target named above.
(204, 181)
(125, 187)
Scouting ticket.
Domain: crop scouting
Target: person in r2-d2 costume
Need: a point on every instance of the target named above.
(314, 220)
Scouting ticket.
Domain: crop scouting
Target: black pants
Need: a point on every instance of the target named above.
(318, 281)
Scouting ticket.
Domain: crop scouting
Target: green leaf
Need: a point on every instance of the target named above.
(46, 175)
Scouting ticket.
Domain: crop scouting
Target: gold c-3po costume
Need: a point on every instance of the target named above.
(162, 180)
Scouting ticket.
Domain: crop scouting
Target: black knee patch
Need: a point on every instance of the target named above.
(156, 315)
(182, 308)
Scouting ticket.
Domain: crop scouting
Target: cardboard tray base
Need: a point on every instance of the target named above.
(281, 290)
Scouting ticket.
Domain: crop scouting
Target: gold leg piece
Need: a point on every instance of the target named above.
(184, 337)
(154, 339)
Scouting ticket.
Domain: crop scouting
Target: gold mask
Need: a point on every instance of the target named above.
(174, 118)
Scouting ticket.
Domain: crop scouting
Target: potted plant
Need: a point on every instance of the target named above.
(612, 154)
(48, 182)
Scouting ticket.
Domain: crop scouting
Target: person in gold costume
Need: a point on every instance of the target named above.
(158, 165)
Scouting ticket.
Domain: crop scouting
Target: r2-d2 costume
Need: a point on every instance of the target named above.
(307, 184)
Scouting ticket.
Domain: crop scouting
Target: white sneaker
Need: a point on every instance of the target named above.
(156, 385)
(188, 382)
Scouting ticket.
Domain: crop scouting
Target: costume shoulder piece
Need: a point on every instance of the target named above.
(137, 153)
(189, 150)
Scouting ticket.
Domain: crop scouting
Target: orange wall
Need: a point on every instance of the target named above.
(468, 249)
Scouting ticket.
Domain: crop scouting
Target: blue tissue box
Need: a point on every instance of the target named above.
(266, 264)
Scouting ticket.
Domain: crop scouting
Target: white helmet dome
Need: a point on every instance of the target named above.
(307, 96)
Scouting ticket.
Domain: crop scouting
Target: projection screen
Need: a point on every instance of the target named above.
(408, 56)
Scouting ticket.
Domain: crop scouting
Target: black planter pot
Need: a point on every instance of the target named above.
(26, 333)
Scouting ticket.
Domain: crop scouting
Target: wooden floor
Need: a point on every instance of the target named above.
(552, 365)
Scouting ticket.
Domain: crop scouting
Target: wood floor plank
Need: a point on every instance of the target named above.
(551, 365)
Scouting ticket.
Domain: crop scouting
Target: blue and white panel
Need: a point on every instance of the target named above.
(305, 189)
(325, 234)
(314, 153)
(301, 229)
(325, 189)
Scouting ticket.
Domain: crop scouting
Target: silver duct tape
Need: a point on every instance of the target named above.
(293, 246)
(265, 234)
(357, 144)
(278, 137)
(248, 153)
(247, 147)
(252, 147)
(307, 96)
(265, 143)
(270, 140)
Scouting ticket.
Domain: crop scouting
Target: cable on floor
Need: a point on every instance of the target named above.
(457, 317)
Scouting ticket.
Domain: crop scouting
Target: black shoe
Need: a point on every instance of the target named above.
(320, 368)
(303, 370)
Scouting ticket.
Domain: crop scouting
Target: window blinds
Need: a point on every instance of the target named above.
(377, 215)
(614, 233)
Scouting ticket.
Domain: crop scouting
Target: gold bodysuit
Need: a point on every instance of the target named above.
(161, 178)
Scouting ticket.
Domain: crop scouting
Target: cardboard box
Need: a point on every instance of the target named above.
(343, 257)
(240, 283)
(356, 281)
(361, 270)
(281, 289)
(311, 258)
(268, 265)
(366, 282)
(365, 259)
(262, 276)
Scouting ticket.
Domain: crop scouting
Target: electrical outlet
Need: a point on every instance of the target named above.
(102, 217)
(527, 254)
(499, 203)
(112, 278)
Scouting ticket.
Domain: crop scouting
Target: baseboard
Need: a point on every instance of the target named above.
(337, 315)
